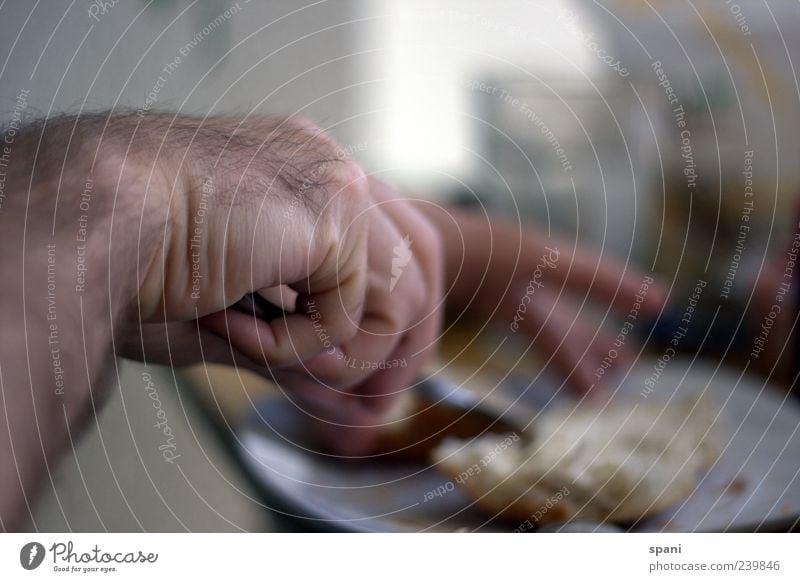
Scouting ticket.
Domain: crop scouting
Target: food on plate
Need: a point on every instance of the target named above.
(619, 463)
(418, 424)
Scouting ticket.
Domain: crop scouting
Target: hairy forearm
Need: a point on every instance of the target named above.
(103, 221)
(66, 294)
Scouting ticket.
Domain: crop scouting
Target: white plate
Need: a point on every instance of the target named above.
(754, 485)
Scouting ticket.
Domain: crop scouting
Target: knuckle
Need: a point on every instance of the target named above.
(341, 197)
(432, 243)
(341, 376)
(316, 168)
(349, 188)
(422, 297)
(303, 122)
(344, 330)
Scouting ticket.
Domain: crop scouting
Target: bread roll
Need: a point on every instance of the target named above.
(620, 463)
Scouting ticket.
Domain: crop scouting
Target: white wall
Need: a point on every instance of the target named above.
(70, 60)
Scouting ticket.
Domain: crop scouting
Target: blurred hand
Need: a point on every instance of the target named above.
(771, 322)
(540, 286)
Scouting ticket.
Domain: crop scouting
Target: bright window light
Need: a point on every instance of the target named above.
(434, 48)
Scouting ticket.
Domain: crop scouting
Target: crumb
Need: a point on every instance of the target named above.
(736, 486)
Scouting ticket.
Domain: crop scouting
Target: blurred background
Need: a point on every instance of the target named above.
(647, 129)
